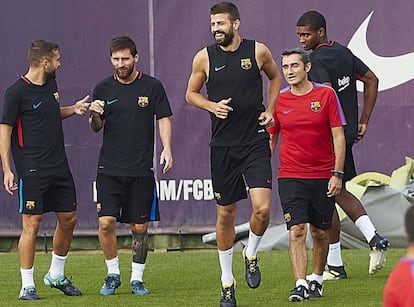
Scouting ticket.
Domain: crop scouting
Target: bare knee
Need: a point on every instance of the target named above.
(107, 224)
(297, 233)
(67, 220)
(319, 234)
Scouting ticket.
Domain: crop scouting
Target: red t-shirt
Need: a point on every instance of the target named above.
(399, 289)
(305, 123)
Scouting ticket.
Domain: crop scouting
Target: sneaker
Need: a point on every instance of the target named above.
(28, 294)
(378, 253)
(228, 299)
(299, 294)
(315, 289)
(137, 288)
(63, 284)
(112, 281)
(334, 272)
(252, 274)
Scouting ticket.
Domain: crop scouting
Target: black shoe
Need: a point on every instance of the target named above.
(28, 294)
(334, 272)
(228, 299)
(63, 284)
(315, 289)
(252, 274)
(299, 294)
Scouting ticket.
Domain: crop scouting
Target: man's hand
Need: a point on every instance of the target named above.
(9, 184)
(97, 107)
(221, 109)
(266, 119)
(82, 106)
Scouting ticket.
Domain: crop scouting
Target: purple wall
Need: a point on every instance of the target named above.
(167, 40)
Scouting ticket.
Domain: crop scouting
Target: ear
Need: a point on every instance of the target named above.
(236, 24)
(136, 58)
(322, 32)
(308, 67)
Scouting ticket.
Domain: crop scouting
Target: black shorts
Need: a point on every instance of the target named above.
(38, 195)
(349, 166)
(129, 199)
(305, 201)
(232, 166)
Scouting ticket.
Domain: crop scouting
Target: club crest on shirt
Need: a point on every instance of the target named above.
(98, 207)
(143, 101)
(57, 97)
(30, 204)
(315, 106)
(246, 63)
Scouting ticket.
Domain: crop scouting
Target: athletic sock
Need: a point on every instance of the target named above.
(27, 277)
(57, 266)
(318, 278)
(113, 265)
(365, 225)
(226, 265)
(137, 271)
(302, 282)
(334, 255)
(252, 244)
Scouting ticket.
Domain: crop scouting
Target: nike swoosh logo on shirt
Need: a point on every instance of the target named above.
(37, 105)
(392, 71)
(108, 102)
(219, 68)
(287, 111)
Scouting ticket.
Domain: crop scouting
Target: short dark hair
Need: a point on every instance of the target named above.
(123, 42)
(303, 54)
(226, 8)
(409, 224)
(41, 48)
(313, 19)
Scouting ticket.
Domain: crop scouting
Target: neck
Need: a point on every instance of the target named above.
(36, 76)
(130, 79)
(410, 251)
(301, 88)
(235, 43)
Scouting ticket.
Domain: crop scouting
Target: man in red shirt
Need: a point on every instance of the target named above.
(399, 289)
(309, 118)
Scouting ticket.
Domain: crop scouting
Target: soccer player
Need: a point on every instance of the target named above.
(31, 128)
(231, 70)
(336, 66)
(126, 105)
(398, 291)
(312, 152)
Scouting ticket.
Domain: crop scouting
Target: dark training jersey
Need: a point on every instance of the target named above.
(336, 64)
(128, 136)
(37, 137)
(236, 75)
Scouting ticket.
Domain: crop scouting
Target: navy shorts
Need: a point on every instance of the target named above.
(55, 193)
(306, 201)
(349, 166)
(234, 167)
(129, 199)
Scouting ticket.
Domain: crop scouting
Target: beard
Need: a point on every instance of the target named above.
(228, 38)
(124, 73)
(51, 75)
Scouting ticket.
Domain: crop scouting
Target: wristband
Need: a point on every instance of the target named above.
(338, 174)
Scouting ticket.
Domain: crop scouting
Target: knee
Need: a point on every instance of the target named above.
(262, 213)
(68, 220)
(319, 234)
(297, 232)
(106, 224)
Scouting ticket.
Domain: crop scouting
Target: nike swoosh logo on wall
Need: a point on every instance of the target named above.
(391, 71)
